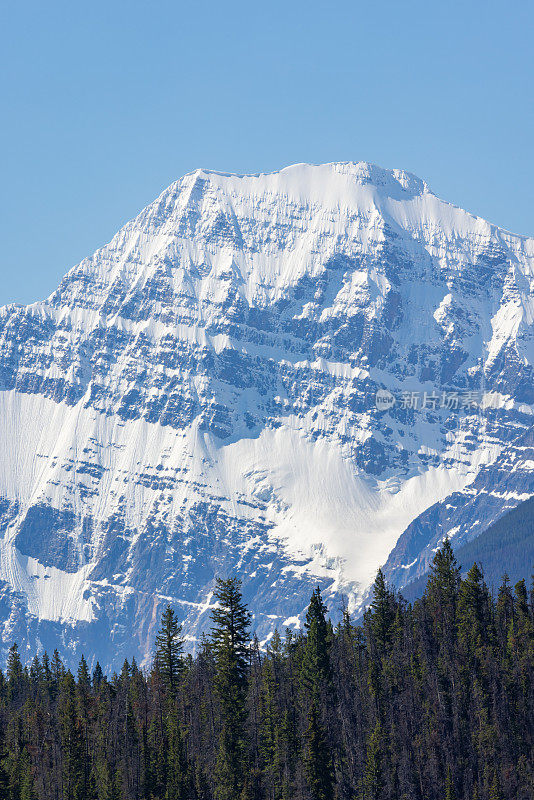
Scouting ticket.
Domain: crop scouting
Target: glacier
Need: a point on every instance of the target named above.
(197, 399)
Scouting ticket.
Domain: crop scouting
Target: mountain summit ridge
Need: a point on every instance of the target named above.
(198, 399)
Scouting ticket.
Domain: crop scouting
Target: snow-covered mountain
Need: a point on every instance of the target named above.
(198, 399)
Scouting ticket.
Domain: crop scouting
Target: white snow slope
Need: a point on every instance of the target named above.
(198, 399)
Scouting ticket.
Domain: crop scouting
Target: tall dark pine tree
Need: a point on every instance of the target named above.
(373, 778)
(471, 608)
(169, 651)
(316, 668)
(441, 593)
(15, 673)
(176, 771)
(317, 757)
(71, 740)
(381, 615)
(229, 639)
(505, 604)
(316, 680)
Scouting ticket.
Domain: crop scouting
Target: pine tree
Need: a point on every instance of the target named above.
(176, 761)
(470, 614)
(381, 614)
(373, 780)
(71, 740)
(27, 791)
(521, 600)
(98, 676)
(83, 691)
(442, 588)
(299, 721)
(36, 671)
(317, 759)
(316, 667)
(84, 679)
(58, 670)
(229, 641)
(169, 651)
(316, 684)
(505, 604)
(271, 733)
(14, 673)
(47, 672)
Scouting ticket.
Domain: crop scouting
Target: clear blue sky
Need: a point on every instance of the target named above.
(103, 104)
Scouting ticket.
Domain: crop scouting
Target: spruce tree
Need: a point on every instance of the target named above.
(176, 772)
(14, 673)
(471, 606)
(381, 614)
(27, 791)
(272, 733)
(316, 667)
(98, 676)
(58, 670)
(442, 588)
(505, 604)
(373, 779)
(71, 740)
(316, 684)
(229, 641)
(317, 758)
(169, 651)
(84, 679)
(521, 600)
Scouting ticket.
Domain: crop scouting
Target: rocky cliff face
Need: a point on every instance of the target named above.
(199, 398)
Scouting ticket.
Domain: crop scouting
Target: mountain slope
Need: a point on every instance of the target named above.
(507, 546)
(198, 398)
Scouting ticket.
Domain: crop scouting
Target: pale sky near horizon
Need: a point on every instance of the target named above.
(106, 103)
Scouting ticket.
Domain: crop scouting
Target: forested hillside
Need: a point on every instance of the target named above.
(507, 545)
(426, 702)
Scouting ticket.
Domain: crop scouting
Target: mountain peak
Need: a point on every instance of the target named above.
(361, 172)
(198, 398)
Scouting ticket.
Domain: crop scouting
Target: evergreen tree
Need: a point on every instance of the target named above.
(98, 676)
(521, 599)
(169, 651)
(177, 783)
(14, 673)
(471, 615)
(71, 740)
(441, 591)
(316, 681)
(505, 604)
(36, 671)
(317, 759)
(229, 640)
(381, 614)
(316, 667)
(58, 670)
(84, 679)
(373, 780)
(416, 703)
(274, 741)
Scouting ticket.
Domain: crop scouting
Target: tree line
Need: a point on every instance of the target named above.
(425, 701)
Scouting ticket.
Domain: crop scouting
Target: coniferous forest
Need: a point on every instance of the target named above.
(430, 701)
